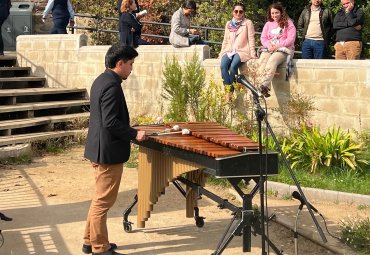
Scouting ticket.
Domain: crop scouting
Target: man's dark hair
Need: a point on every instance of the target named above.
(189, 4)
(119, 52)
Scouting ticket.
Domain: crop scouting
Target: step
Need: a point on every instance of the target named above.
(42, 105)
(32, 95)
(38, 91)
(9, 126)
(14, 71)
(22, 82)
(8, 60)
(27, 138)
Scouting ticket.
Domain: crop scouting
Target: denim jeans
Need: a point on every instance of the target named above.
(313, 49)
(229, 68)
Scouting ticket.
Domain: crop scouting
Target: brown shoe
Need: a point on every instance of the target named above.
(265, 90)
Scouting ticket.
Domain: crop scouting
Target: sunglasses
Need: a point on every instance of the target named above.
(238, 11)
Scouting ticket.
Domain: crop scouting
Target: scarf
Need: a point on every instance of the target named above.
(234, 25)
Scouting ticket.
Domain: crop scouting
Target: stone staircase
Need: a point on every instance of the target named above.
(29, 111)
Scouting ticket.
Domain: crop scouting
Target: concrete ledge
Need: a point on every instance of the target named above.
(281, 189)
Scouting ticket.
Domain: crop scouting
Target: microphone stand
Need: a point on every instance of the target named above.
(261, 115)
(295, 229)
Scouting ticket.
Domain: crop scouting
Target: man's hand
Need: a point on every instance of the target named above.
(140, 136)
(349, 7)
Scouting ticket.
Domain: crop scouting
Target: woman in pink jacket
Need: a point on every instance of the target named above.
(238, 45)
(277, 38)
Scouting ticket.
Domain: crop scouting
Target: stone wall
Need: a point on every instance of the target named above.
(340, 89)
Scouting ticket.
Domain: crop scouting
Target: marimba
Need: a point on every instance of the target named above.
(209, 149)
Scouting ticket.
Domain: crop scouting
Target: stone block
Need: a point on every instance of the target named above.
(329, 75)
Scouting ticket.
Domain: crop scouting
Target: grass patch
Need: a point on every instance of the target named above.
(356, 233)
(336, 179)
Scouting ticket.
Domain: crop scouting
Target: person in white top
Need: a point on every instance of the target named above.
(63, 14)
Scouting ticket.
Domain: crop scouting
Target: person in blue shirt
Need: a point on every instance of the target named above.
(63, 14)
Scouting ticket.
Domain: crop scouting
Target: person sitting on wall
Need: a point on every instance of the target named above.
(277, 39)
(63, 14)
(181, 34)
(238, 45)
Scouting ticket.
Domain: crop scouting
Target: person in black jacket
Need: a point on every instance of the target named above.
(63, 14)
(4, 13)
(130, 27)
(348, 24)
(108, 144)
(315, 26)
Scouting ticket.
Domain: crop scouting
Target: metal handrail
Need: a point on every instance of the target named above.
(203, 28)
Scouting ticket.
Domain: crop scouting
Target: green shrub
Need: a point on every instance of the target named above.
(307, 148)
(356, 233)
(175, 91)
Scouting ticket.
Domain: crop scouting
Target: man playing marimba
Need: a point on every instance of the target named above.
(108, 144)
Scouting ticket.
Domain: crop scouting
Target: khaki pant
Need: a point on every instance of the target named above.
(268, 63)
(107, 181)
(349, 50)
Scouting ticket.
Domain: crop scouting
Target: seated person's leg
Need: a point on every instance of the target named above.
(276, 59)
(235, 63)
(225, 65)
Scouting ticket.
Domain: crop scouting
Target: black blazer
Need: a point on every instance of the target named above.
(109, 135)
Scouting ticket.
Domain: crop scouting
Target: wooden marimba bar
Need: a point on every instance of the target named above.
(165, 156)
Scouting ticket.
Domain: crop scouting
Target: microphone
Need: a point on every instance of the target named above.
(241, 79)
(297, 196)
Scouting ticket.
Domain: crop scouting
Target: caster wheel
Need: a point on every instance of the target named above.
(127, 227)
(1, 239)
(199, 222)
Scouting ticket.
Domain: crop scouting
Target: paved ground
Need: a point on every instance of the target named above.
(49, 198)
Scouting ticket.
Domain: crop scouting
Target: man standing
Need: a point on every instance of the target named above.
(63, 14)
(315, 27)
(348, 24)
(4, 13)
(108, 144)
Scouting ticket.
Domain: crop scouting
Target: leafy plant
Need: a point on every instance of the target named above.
(194, 81)
(175, 90)
(356, 233)
(307, 148)
(182, 87)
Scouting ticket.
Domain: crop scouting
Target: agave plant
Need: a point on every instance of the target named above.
(308, 148)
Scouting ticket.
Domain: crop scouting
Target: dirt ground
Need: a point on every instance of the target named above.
(49, 198)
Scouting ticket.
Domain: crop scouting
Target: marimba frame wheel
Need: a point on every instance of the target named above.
(1, 239)
(127, 226)
(199, 222)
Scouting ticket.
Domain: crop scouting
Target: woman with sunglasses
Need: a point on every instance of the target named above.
(277, 38)
(238, 45)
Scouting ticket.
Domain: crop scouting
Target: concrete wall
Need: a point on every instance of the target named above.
(340, 89)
